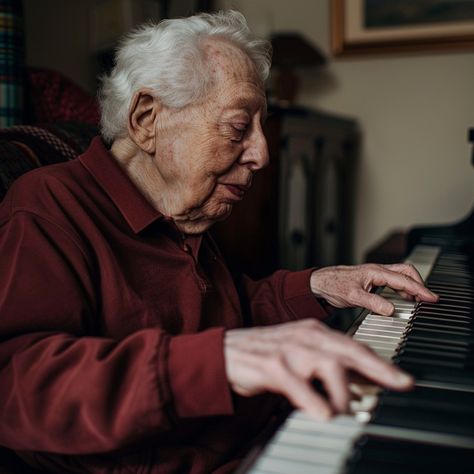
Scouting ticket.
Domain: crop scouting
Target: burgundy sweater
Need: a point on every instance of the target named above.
(111, 329)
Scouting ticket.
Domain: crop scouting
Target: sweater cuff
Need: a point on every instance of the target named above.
(197, 374)
(298, 297)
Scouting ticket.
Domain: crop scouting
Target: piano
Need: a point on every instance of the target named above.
(427, 430)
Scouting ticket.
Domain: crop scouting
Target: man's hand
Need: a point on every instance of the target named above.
(285, 358)
(346, 286)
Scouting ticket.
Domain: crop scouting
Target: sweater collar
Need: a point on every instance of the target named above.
(132, 204)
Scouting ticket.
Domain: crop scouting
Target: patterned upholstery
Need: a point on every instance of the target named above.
(53, 97)
(25, 147)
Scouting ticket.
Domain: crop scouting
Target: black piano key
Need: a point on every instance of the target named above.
(438, 342)
(426, 348)
(443, 320)
(447, 280)
(454, 304)
(446, 298)
(439, 362)
(380, 455)
(445, 311)
(449, 336)
(425, 373)
(467, 311)
(428, 409)
(442, 325)
(451, 399)
(426, 420)
(438, 348)
(451, 287)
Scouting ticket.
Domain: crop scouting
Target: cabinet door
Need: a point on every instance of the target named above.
(327, 221)
(296, 201)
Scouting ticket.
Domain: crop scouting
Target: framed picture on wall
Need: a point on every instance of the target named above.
(383, 26)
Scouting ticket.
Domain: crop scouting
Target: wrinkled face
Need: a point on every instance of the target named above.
(208, 151)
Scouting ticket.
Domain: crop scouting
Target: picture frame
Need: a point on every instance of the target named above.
(363, 27)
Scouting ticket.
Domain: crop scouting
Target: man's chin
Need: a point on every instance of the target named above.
(203, 223)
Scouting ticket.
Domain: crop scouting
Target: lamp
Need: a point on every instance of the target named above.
(290, 51)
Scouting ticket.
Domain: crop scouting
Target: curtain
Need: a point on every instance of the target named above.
(12, 59)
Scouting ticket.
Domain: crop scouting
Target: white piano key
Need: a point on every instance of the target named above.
(385, 355)
(385, 334)
(376, 339)
(384, 321)
(388, 329)
(325, 457)
(308, 440)
(284, 466)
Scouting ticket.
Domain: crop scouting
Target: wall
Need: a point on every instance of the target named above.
(414, 112)
(57, 37)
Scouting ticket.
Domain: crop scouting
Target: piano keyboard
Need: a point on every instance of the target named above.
(430, 429)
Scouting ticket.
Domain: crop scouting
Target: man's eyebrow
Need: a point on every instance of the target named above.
(242, 103)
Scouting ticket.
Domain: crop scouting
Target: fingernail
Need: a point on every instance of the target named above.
(320, 415)
(405, 379)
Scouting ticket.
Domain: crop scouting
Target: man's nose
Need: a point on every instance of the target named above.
(256, 151)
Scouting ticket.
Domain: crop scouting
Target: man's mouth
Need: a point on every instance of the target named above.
(237, 190)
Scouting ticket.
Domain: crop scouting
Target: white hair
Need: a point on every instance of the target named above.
(169, 59)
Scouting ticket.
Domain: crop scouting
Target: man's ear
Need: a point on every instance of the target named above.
(142, 120)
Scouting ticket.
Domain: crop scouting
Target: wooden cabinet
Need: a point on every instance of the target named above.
(299, 211)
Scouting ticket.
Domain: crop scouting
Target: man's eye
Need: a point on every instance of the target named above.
(239, 130)
(240, 127)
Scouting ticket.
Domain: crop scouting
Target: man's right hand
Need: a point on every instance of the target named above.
(285, 358)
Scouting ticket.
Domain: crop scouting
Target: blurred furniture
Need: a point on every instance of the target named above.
(61, 121)
(12, 52)
(299, 211)
(391, 249)
(290, 52)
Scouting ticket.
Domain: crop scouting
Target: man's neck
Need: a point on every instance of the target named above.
(140, 168)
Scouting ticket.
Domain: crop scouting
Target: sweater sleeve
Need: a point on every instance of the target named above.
(64, 387)
(281, 297)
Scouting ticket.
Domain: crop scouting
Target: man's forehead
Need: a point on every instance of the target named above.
(227, 59)
(236, 80)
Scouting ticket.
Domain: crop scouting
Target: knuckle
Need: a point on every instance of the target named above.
(331, 365)
(361, 349)
(353, 294)
(276, 363)
(374, 267)
(309, 323)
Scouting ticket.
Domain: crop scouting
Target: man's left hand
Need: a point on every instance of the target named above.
(347, 286)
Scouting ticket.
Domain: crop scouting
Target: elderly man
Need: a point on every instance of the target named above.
(124, 344)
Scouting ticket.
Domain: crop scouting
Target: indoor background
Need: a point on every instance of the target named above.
(413, 109)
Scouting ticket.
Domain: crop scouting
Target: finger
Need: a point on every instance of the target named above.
(406, 269)
(410, 271)
(363, 361)
(302, 396)
(334, 378)
(375, 303)
(406, 296)
(359, 358)
(400, 281)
